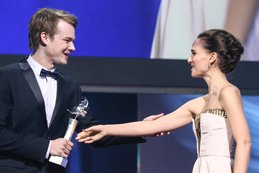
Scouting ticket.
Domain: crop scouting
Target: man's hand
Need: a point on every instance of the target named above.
(60, 147)
(154, 117)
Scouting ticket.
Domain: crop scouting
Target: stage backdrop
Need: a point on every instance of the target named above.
(122, 28)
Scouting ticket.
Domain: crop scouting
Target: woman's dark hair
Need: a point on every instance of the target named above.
(225, 45)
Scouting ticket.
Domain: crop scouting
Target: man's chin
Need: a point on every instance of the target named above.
(63, 61)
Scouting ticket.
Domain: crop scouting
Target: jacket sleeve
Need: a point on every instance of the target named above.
(89, 121)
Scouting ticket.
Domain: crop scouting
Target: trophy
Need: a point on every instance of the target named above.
(80, 110)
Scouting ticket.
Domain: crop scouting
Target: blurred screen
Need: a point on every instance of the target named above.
(106, 28)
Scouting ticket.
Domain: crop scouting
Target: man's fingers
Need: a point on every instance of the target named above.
(61, 147)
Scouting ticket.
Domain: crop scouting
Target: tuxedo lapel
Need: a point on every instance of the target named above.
(60, 93)
(32, 81)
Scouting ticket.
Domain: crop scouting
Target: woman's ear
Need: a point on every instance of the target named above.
(213, 58)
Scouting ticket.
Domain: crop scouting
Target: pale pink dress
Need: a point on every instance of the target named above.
(215, 143)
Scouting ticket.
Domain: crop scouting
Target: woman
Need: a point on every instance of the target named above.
(219, 124)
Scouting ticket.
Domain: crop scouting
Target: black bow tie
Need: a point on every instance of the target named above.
(45, 73)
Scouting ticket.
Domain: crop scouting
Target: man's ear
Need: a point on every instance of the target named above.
(44, 38)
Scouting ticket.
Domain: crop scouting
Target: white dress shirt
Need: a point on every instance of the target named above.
(48, 87)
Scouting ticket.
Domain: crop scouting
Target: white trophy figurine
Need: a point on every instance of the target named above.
(80, 110)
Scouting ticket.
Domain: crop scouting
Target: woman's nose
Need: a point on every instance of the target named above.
(189, 60)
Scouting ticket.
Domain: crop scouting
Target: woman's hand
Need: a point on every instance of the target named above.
(91, 134)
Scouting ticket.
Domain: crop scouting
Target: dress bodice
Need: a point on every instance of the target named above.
(213, 134)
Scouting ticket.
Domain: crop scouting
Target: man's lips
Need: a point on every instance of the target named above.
(67, 54)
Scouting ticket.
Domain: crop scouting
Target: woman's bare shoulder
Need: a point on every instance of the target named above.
(229, 90)
(197, 105)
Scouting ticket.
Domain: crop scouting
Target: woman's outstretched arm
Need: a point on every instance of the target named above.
(180, 117)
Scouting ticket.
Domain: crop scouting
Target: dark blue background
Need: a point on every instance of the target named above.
(107, 28)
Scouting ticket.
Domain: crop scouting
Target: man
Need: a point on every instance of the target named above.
(34, 103)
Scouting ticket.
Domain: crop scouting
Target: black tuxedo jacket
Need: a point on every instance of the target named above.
(24, 134)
